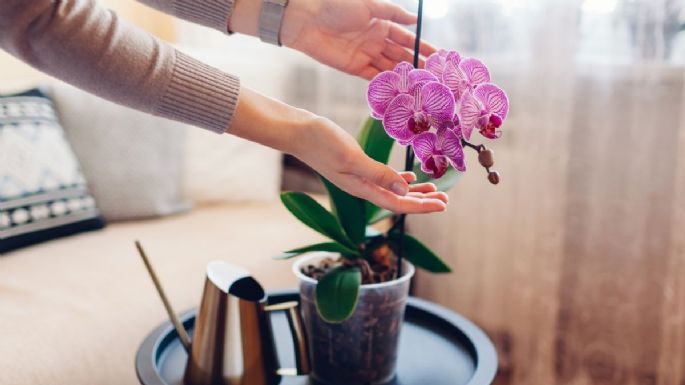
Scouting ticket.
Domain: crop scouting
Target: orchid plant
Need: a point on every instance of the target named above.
(434, 111)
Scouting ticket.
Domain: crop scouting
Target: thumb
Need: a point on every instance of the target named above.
(384, 177)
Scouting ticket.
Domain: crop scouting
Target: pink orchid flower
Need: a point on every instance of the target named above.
(430, 105)
(465, 76)
(388, 84)
(485, 110)
(435, 109)
(437, 151)
(437, 62)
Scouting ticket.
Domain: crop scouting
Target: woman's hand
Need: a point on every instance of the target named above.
(332, 152)
(360, 37)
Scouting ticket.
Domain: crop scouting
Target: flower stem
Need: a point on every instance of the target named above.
(417, 41)
(409, 157)
(478, 147)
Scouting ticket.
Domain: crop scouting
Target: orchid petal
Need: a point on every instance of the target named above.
(493, 98)
(403, 69)
(476, 72)
(469, 115)
(454, 57)
(382, 90)
(437, 102)
(397, 116)
(418, 78)
(455, 79)
(424, 145)
(450, 145)
(435, 63)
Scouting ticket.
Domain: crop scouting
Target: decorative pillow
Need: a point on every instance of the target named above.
(43, 194)
(133, 161)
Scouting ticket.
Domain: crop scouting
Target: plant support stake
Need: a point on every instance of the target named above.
(409, 157)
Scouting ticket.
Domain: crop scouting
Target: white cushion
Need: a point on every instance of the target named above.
(227, 169)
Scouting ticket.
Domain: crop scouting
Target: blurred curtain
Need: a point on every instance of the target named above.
(575, 264)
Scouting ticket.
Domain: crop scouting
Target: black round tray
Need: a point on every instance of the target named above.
(437, 347)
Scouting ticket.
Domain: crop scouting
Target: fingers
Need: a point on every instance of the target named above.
(431, 195)
(409, 204)
(383, 63)
(382, 176)
(396, 52)
(427, 49)
(386, 10)
(423, 188)
(414, 202)
(408, 176)
(406, 39)
(368, 73)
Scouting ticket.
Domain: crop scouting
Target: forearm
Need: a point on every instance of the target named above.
(90, 47)
(272, 123)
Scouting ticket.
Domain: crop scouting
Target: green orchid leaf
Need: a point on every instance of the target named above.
(337, 294)
(374, 214)
(312, 214)
(374, 141)
(332, 247)
(349, 210)
(377, 145)
(379, 215)
(445, 182)
(418, 253)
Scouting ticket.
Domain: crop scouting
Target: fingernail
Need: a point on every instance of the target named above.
(399, 188)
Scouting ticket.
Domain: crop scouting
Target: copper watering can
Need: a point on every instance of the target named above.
(233, 340)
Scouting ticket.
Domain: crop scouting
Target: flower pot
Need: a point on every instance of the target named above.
(363, 349)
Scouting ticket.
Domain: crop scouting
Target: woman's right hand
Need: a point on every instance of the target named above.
(332, 152)
(336, 155)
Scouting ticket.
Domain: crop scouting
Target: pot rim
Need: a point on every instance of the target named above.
(297, 270)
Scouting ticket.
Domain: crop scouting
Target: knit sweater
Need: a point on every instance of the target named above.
(84, 44)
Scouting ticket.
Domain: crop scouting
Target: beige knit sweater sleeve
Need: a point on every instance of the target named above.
(84, 44)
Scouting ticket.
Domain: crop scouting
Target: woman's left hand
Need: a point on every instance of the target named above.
(360, 37)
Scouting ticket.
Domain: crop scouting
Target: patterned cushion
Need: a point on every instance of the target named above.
(43, 194)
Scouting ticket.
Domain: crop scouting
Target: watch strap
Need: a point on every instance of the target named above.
(271, 20)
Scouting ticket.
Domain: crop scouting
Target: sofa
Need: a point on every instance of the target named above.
(74, 310)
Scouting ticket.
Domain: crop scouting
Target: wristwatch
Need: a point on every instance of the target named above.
(271, 20)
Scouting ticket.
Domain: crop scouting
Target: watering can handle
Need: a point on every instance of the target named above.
(294, 316)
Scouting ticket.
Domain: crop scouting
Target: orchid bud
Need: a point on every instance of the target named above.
(493, 177)
(485, 158)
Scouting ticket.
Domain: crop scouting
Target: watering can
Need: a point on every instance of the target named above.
(233, 342)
